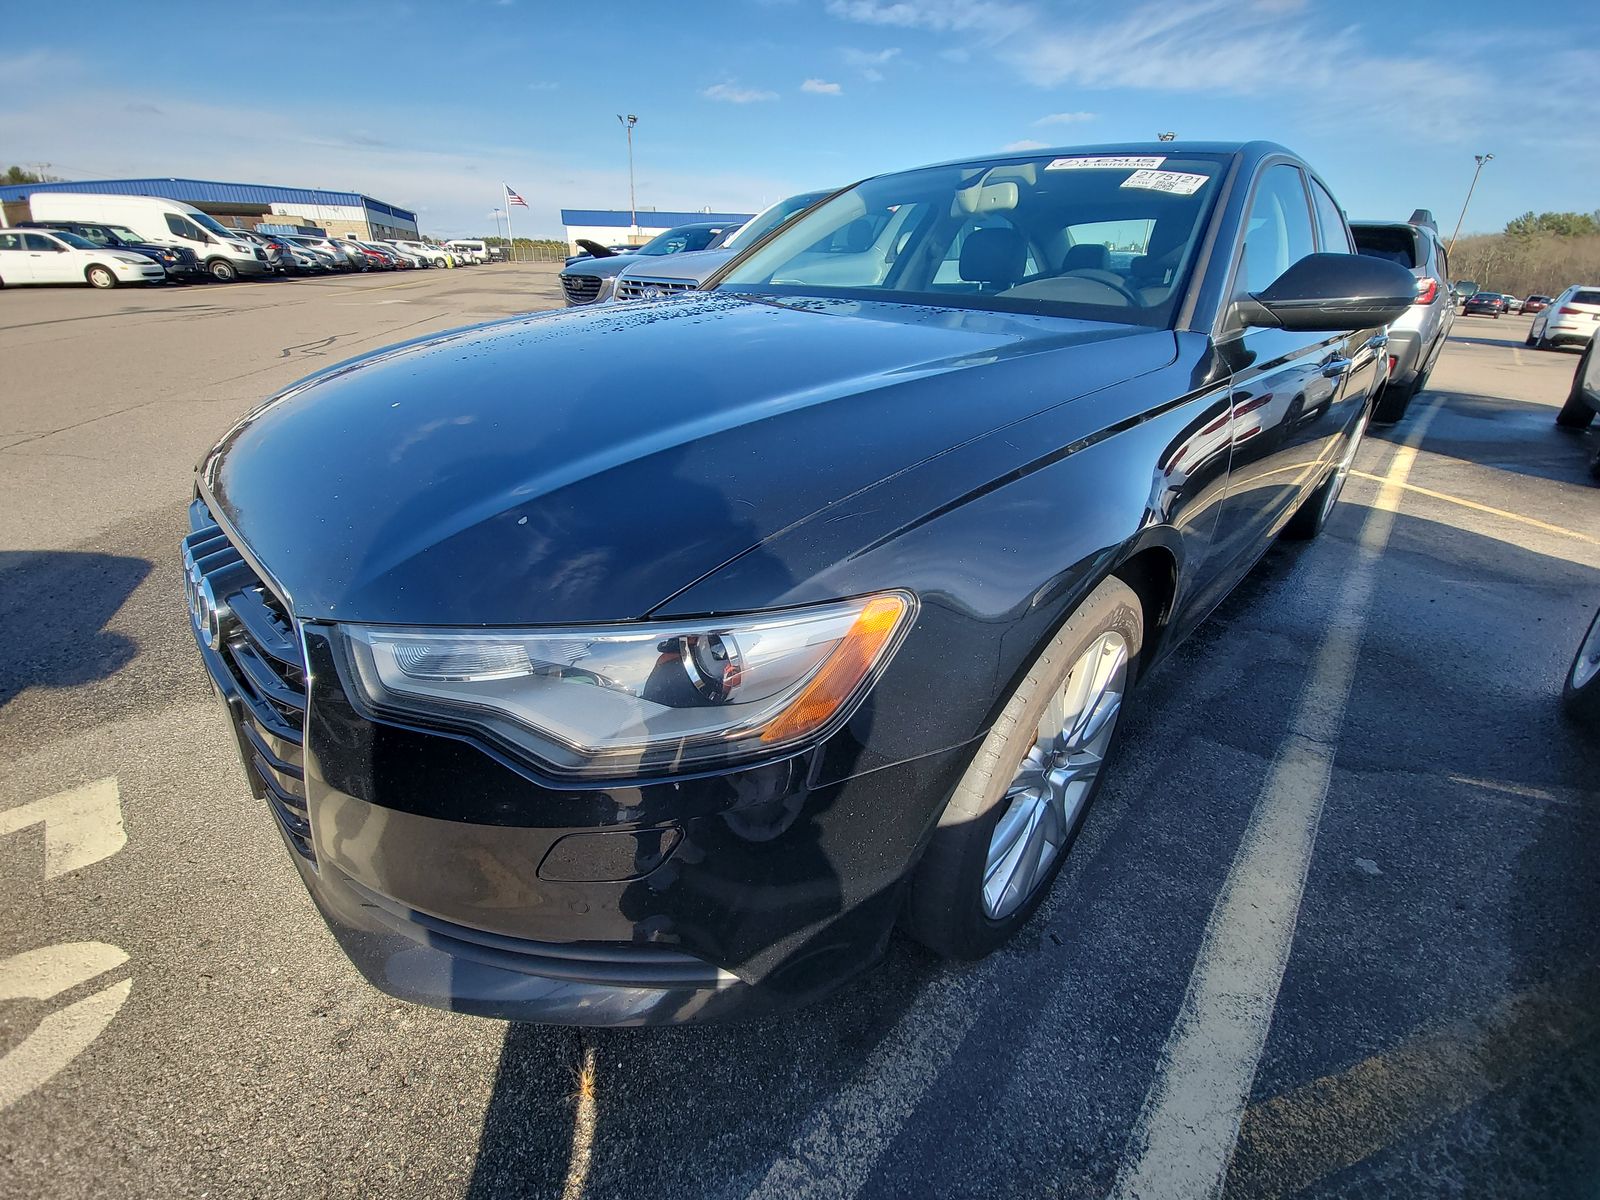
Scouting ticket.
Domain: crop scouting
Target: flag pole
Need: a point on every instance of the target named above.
(511, 242)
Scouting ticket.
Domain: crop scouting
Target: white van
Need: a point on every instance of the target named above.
(165, 222)
(429, 254)
(473, 249)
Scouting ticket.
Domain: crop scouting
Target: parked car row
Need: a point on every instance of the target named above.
(107, 240)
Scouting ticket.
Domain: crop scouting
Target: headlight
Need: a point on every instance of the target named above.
(625, 699)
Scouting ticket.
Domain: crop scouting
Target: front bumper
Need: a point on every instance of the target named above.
(454, 878)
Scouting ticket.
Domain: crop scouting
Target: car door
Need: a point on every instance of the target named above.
(16, 264)
(53, 261)
(1364, 348)
(1286, 386)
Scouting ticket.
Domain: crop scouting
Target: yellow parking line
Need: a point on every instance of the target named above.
(1485, 508)
(1293, 1141)
(1516, 356)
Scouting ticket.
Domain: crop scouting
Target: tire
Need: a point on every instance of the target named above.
(1575, 413)
(948, 907)
(1580, 693)
(222, 270)
(1393, 401)
(1312, 516)
(1528, 341)
(438, 262)
(100, 277)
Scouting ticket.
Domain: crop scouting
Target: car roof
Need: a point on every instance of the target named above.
(1174, 149)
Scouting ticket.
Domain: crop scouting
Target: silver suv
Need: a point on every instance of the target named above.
(1416, 339)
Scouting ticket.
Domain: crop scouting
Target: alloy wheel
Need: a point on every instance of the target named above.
(1046, 797)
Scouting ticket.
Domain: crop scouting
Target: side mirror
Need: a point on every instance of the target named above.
(1332, 293)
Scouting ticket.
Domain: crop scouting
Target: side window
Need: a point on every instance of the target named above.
(10, 241)
(37, 242)
(184, 228)
(1278, 231)
(1335, 238)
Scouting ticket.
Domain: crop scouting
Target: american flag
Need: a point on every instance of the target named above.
(513, 198)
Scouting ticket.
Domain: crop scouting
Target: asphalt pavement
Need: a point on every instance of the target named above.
(1399, 960)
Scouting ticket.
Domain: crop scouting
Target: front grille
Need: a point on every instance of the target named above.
(252, 649)
(581, 289)
(652, 289)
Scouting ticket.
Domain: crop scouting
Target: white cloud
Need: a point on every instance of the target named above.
(941, 16)
(868, 58)
(1024, 144)
(732, 93)
(543, 85)
(821, 87)
(1066, 118)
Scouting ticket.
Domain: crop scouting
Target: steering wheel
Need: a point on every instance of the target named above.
(1110, 278)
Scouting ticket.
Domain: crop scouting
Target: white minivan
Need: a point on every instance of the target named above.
(471, 249)
(165, 222)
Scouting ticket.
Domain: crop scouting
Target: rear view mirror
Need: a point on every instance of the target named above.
(1331, 293)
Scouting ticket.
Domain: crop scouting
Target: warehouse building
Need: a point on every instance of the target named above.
(246, 205)
(612, 228)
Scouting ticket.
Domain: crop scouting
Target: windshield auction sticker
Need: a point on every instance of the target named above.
(1178, 183)
(1127, 163)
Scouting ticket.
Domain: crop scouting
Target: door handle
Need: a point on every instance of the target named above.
(1378, 341)
(1335, 367)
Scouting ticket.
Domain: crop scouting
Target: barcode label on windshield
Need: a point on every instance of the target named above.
(1126, 163)
(1178, 183)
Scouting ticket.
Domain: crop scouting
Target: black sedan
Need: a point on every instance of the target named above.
(644, 664)
(1484, 304)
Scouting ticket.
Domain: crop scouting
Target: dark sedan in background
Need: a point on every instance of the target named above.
(649, 663)
(1484, 304)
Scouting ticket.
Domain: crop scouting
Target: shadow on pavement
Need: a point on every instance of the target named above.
(1508, 435)
(53, 607)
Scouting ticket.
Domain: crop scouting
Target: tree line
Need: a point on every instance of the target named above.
(1536, 254)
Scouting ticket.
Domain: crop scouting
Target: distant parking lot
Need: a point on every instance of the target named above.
(177, 1021)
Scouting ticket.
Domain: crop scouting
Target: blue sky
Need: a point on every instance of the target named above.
(430, 105)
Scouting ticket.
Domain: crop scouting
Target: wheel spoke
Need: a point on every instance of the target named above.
(1052, 782)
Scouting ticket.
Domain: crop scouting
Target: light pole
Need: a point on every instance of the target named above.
(1482, 159)
(628, 122)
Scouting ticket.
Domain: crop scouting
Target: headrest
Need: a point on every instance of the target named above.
(993, 256)
(1090, 256)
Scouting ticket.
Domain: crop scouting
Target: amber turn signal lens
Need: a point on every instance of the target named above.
(843, 671)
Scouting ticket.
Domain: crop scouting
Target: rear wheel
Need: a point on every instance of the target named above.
(1576, 413)
(1313, 513)
(222, 270)
(100, 277)
(1017, 810)
(1580, 694)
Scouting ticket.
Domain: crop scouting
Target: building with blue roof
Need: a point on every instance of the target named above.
(612, 227)
(246, 205)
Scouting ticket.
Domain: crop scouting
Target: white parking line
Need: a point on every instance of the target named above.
(1187, 1128)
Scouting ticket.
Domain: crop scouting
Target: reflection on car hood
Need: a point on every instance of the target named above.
(586, 464)
(697, 266)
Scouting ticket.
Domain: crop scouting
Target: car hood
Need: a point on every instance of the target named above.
(697, 265)
(587, 464)
(604, 268)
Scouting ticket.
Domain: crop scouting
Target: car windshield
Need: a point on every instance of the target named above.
(73, 240)
(1100, 237)
(679, 241)
(763, 223)
(209, 223)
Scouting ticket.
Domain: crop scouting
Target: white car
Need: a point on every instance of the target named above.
(1570, 319)
(56, 256)
(435, 256)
